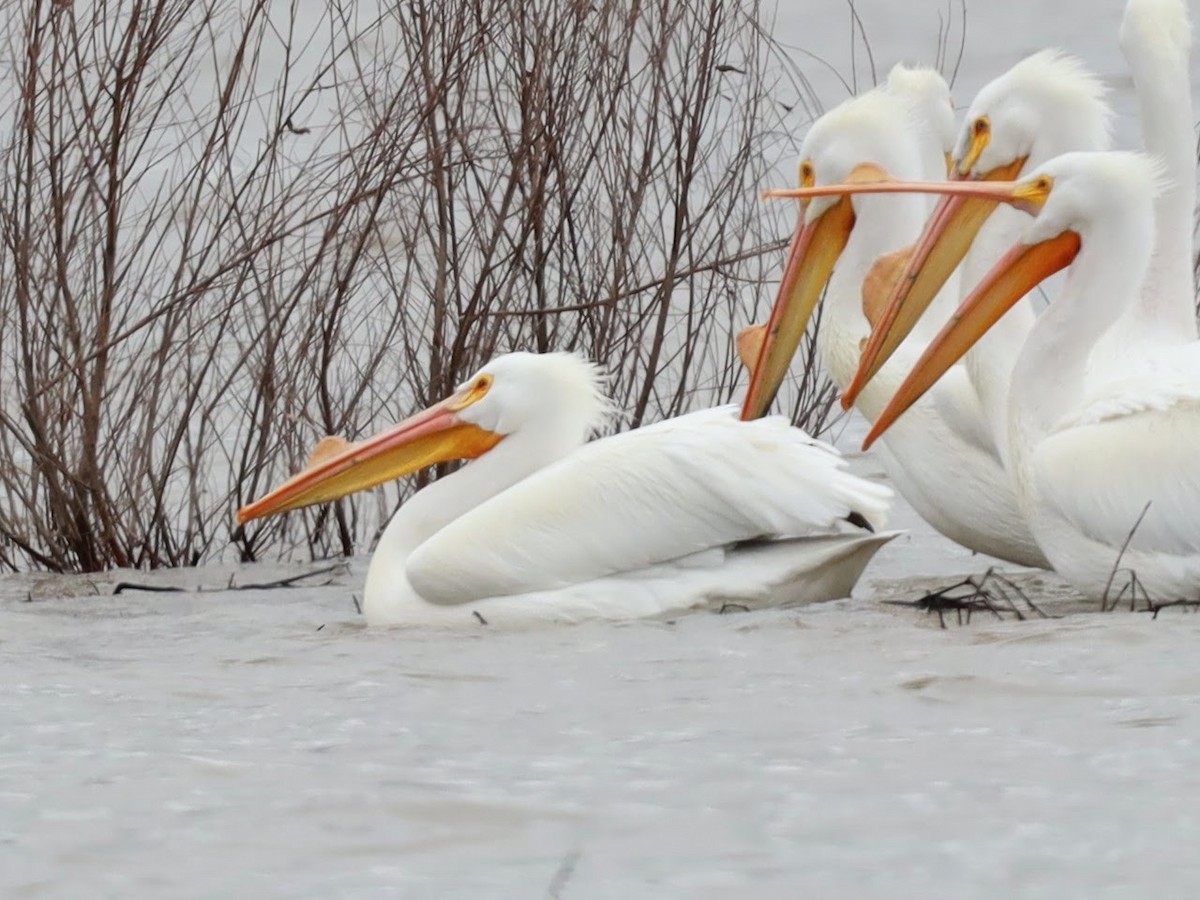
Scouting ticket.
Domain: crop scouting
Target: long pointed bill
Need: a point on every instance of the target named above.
(812, 255)
(947, 237)
(889, 185)
(1015, 275)
(429, 437)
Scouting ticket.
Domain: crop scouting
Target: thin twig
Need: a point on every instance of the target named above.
(1104, 607)
(971, 595)
(291, 581)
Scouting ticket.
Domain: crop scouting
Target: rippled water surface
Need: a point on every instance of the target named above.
(263, 743)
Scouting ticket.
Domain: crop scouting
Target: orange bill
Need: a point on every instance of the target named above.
(435, 435)
(888, 185)
(812, 255)
(947, 237)
(813, 252)
(1017, 273)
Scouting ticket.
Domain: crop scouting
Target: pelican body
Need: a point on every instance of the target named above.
(694, 512)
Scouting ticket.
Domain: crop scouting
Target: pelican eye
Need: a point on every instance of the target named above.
(981, 136)
(473, 393)
(1031, 196)
(808, 175)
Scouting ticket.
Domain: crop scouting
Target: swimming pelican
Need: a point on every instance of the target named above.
(1045, 105)
(693, 512)
(941, 459)
(1105, 469)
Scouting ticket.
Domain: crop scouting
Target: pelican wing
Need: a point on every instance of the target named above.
(1133, 444)
(645, 497)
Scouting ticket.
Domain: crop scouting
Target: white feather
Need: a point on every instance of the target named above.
(1164, 25)
(642, 498)
(1133, 443)
(750, 576)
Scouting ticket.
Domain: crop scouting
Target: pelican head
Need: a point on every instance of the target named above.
(1046, 105)
(860, 130)
(1082, 191)
(557, 397)
(535, 391)
(858, 139)
(1075, 199)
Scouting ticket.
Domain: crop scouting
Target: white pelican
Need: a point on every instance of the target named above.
(1105, 469)
(941, 458)
(1045, 105)
(693, 512)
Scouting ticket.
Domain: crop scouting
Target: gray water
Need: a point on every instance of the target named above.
(263, 743)
(266, 744)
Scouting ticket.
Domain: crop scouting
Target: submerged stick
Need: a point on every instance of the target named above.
(978, 598)
(291, 581)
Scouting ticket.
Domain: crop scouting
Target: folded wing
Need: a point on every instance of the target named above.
(643, 498)
(1135, 443)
